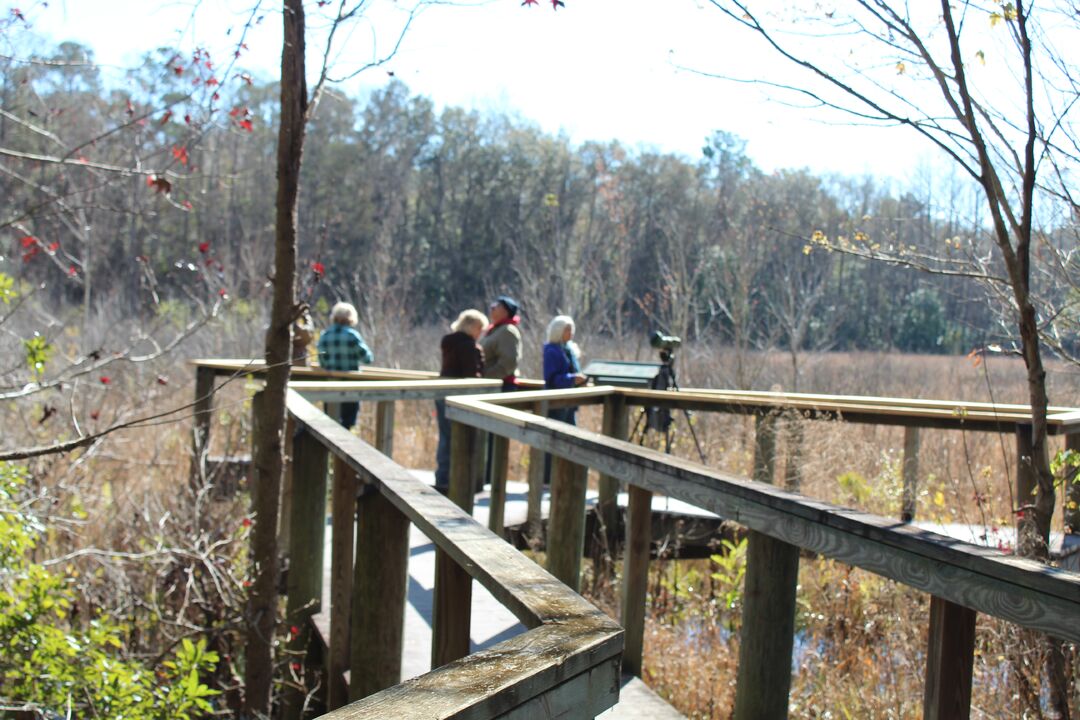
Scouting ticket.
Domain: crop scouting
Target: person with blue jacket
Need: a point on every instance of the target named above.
(562, 364)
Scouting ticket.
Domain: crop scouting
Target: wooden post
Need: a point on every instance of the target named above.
(200, 434)
(910, 473)
(343, 518)
(500, 458)
(768, 616)
(285, 507)
(384, 427)
(535, 521)
(1071, 508)
(379, 596)
(615, 425)
(452, 607)
(768, 629)
(1027, 532)
(794, 440)
(636, 577)
(566, 524)
(765, 448)
(950, 656)
(306, 544)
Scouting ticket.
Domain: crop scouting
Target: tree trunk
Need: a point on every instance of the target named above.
(269, 461)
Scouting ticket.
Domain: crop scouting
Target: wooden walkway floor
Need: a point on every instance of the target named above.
(491, 622)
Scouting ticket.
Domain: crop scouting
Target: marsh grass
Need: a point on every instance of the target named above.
(170, 559)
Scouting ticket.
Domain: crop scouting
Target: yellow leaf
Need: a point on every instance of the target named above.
(901, 68)
(981, 56)
(995, 18)
(1072, 505)
(939, 499)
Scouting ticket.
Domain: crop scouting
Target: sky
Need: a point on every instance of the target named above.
(593, 70)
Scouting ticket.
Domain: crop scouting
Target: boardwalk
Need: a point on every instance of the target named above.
(491, 622)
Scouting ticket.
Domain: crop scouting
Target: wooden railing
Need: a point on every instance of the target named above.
(962, 578)
(566, 664)
(569, 658)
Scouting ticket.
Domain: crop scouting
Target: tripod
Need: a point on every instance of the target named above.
(661, 419)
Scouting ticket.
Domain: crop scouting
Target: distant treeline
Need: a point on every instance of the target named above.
(415, 214)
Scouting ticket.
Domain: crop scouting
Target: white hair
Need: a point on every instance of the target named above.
(467, 319)
(344, 313)
(557, 327)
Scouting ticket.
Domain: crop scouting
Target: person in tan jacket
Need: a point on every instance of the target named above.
(502, 343)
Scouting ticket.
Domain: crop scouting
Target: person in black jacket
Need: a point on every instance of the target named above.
(461, 358)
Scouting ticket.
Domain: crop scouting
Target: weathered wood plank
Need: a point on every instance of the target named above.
(950, 657)
(500, 457)
(306, 550)
(578, 638)
(768, 629)
(202, 412)
(910, 474)
(380, 590)
(583, 696)
(391, 390)
(511, 674)
(566, 522)
(768, 616)
(534, 522)
(615, 425)
(452, 610)
(636, 577)
(384, 427)
(986, 580)
(1027, 531)
(765, 448)
(342, 518)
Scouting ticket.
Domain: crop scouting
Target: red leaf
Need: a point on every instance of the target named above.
(73, 271)
(165, 118)
(105, 379)
(246, 125)
(526, 3)
(178, 70)
(223, 294)
(186, 204)
(28, 241)
(130, 108)
(180, 153)
(187, 119)
(162, 380)
(211, 82)
(318, 268)
(236, 111)
(246, 78)
(204, 247)
(53, 247)
(95, 414)
(246, 522)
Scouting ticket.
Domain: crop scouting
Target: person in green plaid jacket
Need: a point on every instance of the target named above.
(341, 347)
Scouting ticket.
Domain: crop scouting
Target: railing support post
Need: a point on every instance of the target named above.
(500, 459)
(566, 524)
(636, 577)
(452, 608)
(343, 518)
(534, 519)
(306, 547)
(768, 616)
(384, 427)
(910, 473)
(765, 448)
(200, 434)
(1027, 532)
(1071, 509)
(380, 590)
(950, 656)
(615, 425)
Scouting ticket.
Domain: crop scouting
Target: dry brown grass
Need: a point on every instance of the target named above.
(861, 638)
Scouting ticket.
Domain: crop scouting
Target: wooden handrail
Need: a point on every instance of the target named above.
(569, 643)
(962, 578)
